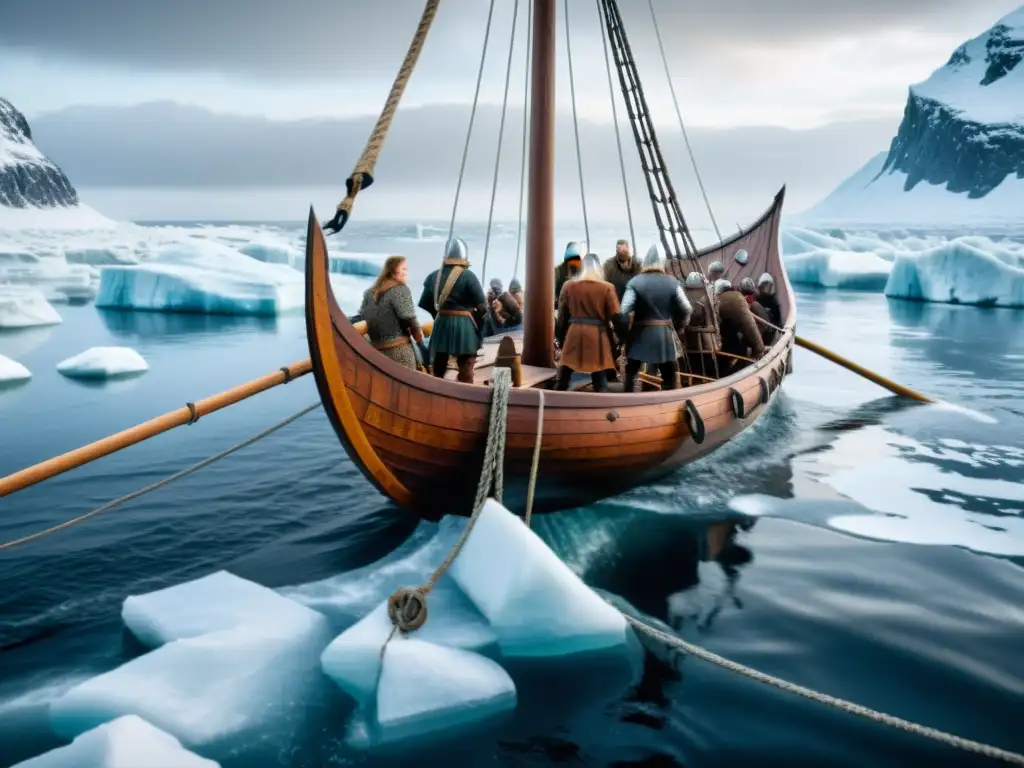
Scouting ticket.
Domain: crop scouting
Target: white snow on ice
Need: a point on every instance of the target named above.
(73, 218)
(11, 370)
(22, 307)
(211, 269)
(863, 200)
(127, 742)
(951, 267)
(103, 363)
(958, 84)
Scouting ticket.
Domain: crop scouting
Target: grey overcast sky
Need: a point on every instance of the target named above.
(794, 63)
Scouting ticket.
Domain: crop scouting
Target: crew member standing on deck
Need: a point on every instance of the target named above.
(587, 310)
(660, 310)
(391, 324)
(454, 296)
(621, 268)
(571, 264)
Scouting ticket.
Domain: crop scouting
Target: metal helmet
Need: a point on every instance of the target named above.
(655, 256)
(715, 268)
(456, 249)
(496, 285)
(514, 285)
(765, 279)
(747, 286)
(591, 261)
(694, 280)
(721, 286)
(572, 251)
(741, 257)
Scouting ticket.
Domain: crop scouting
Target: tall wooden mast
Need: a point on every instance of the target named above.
(539, 329)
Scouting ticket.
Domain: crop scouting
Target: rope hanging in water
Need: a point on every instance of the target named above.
(615, 122)
(526, 113)
(682, 126)
(576, 128)
(160, 483)
(362, 175)
(501, 135)
(407, 607)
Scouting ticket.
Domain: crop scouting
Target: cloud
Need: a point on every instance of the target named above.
(169, 146)
(340, 39)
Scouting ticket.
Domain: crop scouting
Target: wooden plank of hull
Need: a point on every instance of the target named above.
(420, 440)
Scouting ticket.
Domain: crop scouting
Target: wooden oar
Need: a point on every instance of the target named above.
(849, 365)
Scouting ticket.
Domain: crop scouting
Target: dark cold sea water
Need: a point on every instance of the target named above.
(874, 549)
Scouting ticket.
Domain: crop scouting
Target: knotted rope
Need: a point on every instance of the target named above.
(362, 174)
(407, 607)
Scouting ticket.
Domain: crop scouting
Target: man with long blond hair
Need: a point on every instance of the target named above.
(587, 311)
(390, 315)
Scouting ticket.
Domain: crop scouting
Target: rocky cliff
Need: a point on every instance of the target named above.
(28, 179)
(964, 126)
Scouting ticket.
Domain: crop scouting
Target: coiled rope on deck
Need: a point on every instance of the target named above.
(161, 483)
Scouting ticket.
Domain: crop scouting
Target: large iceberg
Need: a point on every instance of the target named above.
(233, 657)
(969, 271)
(127, 742)
(103, 363)
(950, 267)
(11, 370)
(25, 308)
(202, 276)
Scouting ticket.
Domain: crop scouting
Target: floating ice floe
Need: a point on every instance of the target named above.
(11, 370)
(24, 308)
(232, 657)
(103, 363)
(968, 271)
(127, 742)
(965, 269)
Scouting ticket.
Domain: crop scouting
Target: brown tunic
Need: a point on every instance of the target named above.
(586, 310)
(740, 335)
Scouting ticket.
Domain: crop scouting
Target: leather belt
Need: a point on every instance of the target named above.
(654, 322)
(391, 343)
(585, 321)
(458, 313)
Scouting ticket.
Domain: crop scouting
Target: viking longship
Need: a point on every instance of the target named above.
(420, 439)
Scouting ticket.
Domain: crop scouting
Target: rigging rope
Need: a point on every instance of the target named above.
(465, 150)
(615, 122)
(576, 128)
(526, 110)
(160, 483)
(362, 175)
(501, 134)
(682, 127)
(535, 462)
(472, 118)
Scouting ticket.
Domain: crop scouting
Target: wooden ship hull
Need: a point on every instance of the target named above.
(420, 439)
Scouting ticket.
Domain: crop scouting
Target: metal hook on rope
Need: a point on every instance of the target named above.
(362, 174)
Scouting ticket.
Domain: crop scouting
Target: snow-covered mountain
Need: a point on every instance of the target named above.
(34, 192)
(959, 151)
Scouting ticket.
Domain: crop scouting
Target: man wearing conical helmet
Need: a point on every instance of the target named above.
(454, 297)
